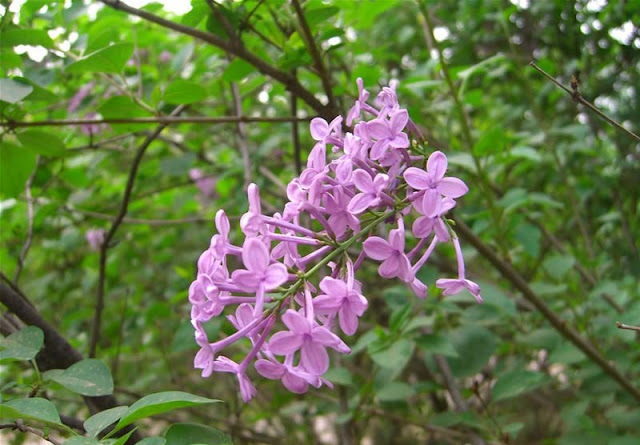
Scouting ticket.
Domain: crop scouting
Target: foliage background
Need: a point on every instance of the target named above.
(554, 192)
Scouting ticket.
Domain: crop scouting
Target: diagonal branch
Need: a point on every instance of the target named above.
(290, 82)
(510, 274)
(153, 120)
(97, 319)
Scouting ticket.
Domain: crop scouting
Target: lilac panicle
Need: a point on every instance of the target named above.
(355, 184)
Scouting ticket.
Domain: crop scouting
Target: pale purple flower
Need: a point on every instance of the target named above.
(206, 184)
(95, 238)
(308, 337)
(363, 97)
(343, 298)
(371, 189)
(77, 98)
(251, 222)
(452, 286)
(394, 261)
(388, 133)
(433, 180)
(259, 276)
(340, 218)
(165, 56)
(293, 378)
(91, 129)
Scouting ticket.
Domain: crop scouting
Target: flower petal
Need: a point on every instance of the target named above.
(275, 275)
(417, 178)
(255, 255)
(361, 202)
(437, 165)
(452, 187)
(296, 322)
(319, 128)
(314, 358)
(363, 181)
(286, 342)
(390, 267)
(269, 369)
(377, 248)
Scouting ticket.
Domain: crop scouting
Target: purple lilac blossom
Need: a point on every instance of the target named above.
(206, 184)
(95, 238)
(303, 275)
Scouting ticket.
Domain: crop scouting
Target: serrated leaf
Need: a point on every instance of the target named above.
(22, 162)
(514, 383)
(193, 433)
(184, 92)
(41, 142)
(88, 377)
(12, 91)
(99, 421)
(34, 408)
(22, 345)
(159, 403)
(106, 60)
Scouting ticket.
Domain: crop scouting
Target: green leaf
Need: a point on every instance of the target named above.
(159, 403)
(80, 440)
(437, 344)
(122, 440)
(316, 16)
(514, 383)
(22, 162)
(106, 60)
(88, 377)
(475, 345)
(395, 356)
(41, 142)
(237, 70)
(490, 142)
(22, 345)
(339, 376)
(184, 92)
(155, 440)
(193, 433)
(12, 91)
(16, 36)
(99, 421)
(394, 392)
(451, 418)
(34, 408)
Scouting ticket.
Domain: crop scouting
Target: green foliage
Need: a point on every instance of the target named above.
(553, 192)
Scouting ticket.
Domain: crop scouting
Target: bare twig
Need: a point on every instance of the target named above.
(295, 134)
(167, 120)
(315, 54)
(27, 429)
(628, 327)
(97, 319)
(578, 98)
(142, 221)
(460, 403)
(27, 241)
(264, 67)
(568, 332)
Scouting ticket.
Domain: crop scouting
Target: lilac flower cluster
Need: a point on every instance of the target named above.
(376, 177)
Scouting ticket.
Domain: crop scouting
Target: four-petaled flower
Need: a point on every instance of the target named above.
(371, 191)
(394, 261)
(343, 298)
(310, 338)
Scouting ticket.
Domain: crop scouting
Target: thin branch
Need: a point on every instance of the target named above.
(315, 53)
(167, 120)
(27, 429)
(509, 273)
(576, 96)
(97, 319)
(264, 67)
(148, 222)
(27, 241)
(626, 326)
(459, 401)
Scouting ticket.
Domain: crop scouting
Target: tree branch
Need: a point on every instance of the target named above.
(510, 274)
(27, 429)
(97, 319)
(315, 54)
(287, 80)
(575, 95)
(27, 241)
(154, 120)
